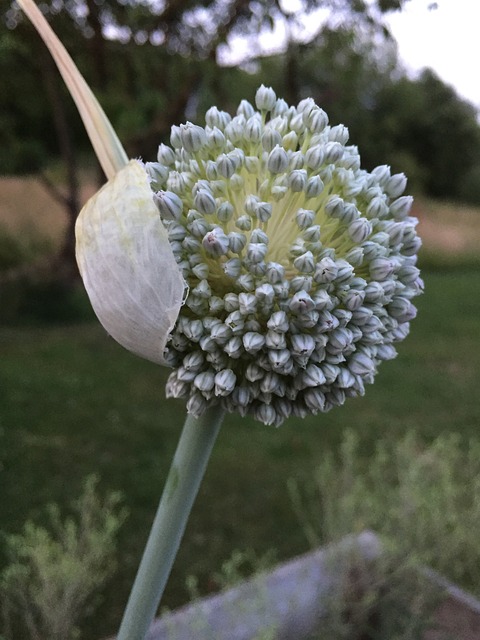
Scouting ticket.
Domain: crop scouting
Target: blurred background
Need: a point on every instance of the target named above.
(72, 402)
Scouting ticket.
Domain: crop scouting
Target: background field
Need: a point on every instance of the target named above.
(73, 402)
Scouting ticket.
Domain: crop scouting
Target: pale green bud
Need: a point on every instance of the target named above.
(253, 129)
(297, 180)
(315, 157)
(169, 205)
(313, 376)
(175, 137)
(265, 294)
(400, 208)
(339, 133)
(290, 141)
(225, 212)
(333, 152)
(301, 302)
(263, 211)
(215, 242)
(165, 155)
(381, 269)
(253, 341)
(204, 202)
(252, 164)
(215, 138)
(256, 251)
(265, 98)
(216, 118)
(305, 263)
(396, 185)
(359, 230)
(271, 139)
(325, 271)
(297, 160)
(232, 268)
(244, 223)
(245, 109)
(277, 160)
(225, 166)
(275, 340)
(275, 272)
(315, 187)
(316, 120)
(236, 182)
(193, 137)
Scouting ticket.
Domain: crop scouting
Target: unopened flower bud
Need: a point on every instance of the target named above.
(169, 205)
(277, 160)
(396, 185)
(216, 118)
(315, 187)
(253, 341)
(225, 382)
(265, 98)
(271, 139)
(216, 242)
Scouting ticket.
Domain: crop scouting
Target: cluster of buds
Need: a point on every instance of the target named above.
(300, 265)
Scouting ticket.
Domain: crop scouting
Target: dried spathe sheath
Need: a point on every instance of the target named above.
(127, 265)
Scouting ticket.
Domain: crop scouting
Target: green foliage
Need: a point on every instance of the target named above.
(241, 564)
(421, 127)
(428, 120)
(423, 500)
(20, 249)
(418, 126)
(377, 599)
(53, 573)
(73, 402)
(470, 186)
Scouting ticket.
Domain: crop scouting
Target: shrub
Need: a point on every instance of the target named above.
(424, 503)
(53, 575)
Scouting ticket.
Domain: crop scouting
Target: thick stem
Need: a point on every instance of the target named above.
(181, 488)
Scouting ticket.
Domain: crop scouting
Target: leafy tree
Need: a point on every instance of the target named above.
(150, 63)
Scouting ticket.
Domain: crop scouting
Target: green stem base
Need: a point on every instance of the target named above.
(186, 473)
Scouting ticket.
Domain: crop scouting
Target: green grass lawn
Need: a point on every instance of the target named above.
(73, 402)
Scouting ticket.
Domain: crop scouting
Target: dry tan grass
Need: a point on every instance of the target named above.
(448, 228)
(27, 207)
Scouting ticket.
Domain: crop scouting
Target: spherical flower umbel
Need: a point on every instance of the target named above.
(300, 265)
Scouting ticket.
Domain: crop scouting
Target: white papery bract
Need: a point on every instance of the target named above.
(301, 266)
(127, 265)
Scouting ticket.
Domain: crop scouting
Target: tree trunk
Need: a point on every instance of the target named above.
(65, 266)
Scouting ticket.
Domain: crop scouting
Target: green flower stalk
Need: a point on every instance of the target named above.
(258, 260)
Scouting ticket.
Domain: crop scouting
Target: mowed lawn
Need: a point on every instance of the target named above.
(73, 402)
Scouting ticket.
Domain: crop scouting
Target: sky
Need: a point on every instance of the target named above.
(446, 39)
